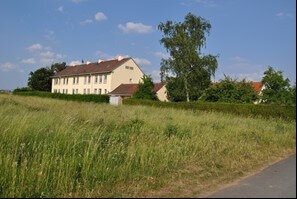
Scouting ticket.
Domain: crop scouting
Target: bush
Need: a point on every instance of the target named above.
(145, 89)
(77, 97)
(23, 89)
(229, 90)
(261, 110)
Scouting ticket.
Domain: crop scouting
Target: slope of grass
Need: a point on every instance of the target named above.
(61, 148)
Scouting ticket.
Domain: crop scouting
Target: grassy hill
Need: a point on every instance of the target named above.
(56, 148)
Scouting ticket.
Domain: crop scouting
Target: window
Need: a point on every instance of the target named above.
(95, 91)
(63, 91)
(96, 79)
(59, 91)
(84, 91)
(76, 91)
(77, 80)
(85, 80)
(74, 78)
(55, 90)
(73, 91)
(88, 91)
(67, 80)
(100, 79)
(105, 91)
(105, 79)
(129, 68)
(63, 80)
(100, 91)
(89, 79)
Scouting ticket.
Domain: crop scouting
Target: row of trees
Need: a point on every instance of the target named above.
(187, 72)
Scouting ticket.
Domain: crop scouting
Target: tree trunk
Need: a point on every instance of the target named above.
(187, 89)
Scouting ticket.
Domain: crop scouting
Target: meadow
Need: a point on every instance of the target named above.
(57, 148)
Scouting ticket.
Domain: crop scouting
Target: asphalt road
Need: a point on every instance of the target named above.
(276, 181)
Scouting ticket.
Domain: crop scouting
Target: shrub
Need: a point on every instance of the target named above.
(261, 110)
(23, 89)
(145, 89)
(230, 91)
(76, 97)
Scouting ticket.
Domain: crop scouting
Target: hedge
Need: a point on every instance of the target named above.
(261, 110)
(76, 97)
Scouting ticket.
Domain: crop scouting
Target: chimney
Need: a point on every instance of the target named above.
(120, 58)
(100, 60)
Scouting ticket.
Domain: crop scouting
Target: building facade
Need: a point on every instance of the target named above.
(97, 78)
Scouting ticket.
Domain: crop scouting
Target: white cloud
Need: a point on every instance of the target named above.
(161, 55)
(135, 27)
(61, 9)
(7, 66)
(87, 21)
(237, 59)
(47, 54)
(142, 61)
(35, 47)
(29, 61)
(49, 35)
(100, 16)
(256, 76)
(47, 60)
(284, 14)
(60, 56)
(74, 63)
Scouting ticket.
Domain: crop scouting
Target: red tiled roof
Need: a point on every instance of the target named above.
(129, 89)
(103, 67)
(158, 86)
(257, 86)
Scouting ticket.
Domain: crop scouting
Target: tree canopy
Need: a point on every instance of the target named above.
(40, 79)
(186, 67)
(145, 89)
(277, 88)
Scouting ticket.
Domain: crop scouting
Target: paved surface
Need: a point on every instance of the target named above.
(276, 181)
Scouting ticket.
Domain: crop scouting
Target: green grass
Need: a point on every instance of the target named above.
(73, 97)
(56, 148)
(287, 112)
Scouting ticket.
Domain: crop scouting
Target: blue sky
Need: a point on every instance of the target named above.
(248, 35)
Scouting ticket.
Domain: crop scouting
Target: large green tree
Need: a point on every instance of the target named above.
(40, 79)
(186, 66)
(145, 89)
(277, 88)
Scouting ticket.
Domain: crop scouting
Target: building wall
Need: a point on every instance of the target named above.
(122, 75)
(162, 94)
(82, 85)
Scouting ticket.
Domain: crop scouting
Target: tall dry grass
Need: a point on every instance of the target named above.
(54, 148)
